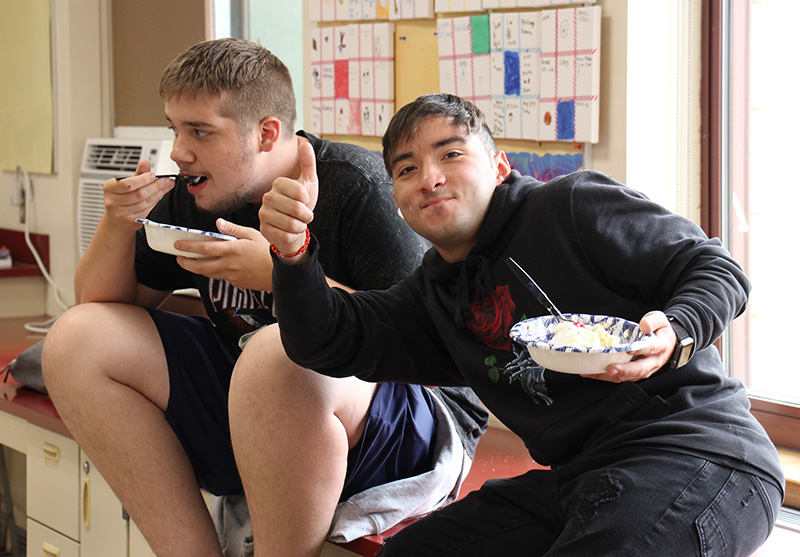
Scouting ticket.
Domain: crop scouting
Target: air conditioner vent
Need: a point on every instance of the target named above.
(108, 158)
(118, 158)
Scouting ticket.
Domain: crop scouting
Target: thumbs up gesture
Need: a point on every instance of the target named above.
(288, 207)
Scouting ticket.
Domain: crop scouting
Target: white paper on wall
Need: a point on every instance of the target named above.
(347, 10)
(570, 75)
(444, 6)
(322, 80)
(462, 70)
(322, 10)
(515, 44)
(376, 73)
(410, 9)
(352, 79)
(345, 46)
(488, 4)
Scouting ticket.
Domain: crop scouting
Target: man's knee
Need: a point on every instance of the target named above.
(99, 338)
(65, 338)
(262, 364)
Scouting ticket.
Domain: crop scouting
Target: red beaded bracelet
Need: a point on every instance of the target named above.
(303, 248)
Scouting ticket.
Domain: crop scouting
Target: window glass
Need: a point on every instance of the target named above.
(278, 26)
(764, 193)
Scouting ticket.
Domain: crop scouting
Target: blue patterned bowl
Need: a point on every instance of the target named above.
(536, 335)
(162, 237)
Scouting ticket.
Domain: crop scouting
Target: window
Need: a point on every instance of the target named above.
(752, 192)
(278, 26)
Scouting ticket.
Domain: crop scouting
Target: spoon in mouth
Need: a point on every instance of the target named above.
(180, 179)
(531, 285)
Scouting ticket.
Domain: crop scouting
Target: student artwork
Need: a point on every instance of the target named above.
(464, 61)
(545, 167)
(569, 106)
(352, 79)
(410, 9)
(515, 47)
(457, 6)
(536, 75)
(488, 4)
(348, 10)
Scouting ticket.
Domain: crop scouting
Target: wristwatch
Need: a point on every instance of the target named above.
(683, 348)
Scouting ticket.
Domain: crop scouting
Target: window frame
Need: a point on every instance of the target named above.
(724, 167)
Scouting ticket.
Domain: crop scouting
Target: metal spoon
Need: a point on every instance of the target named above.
(531, 285)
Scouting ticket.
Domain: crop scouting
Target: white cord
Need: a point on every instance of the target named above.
(42, 327)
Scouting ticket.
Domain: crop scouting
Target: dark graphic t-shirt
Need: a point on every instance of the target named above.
(366, 245)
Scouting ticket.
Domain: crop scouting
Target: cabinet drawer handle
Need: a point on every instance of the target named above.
(49, 550)
(87, 509)
(51, 452)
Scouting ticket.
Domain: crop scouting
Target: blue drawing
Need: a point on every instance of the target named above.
(511, 60)
(566, 120)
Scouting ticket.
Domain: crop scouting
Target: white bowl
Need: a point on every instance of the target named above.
(536, 335)
(162, 237)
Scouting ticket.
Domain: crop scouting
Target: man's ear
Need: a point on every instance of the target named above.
(502, 165)
(269, 132)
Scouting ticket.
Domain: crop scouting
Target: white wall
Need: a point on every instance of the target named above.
(663, 108)
(82, 108)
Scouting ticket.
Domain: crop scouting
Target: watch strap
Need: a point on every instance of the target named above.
(684, 347)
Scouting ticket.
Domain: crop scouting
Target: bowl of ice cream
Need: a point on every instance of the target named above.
(586, 344)
(162, 237)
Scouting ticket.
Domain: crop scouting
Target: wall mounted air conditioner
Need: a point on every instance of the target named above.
(107, 158)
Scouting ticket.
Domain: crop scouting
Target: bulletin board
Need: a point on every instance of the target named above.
(26, 94)
(496, 53)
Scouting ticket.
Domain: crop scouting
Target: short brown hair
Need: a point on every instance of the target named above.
(460, 112)
(251, 81)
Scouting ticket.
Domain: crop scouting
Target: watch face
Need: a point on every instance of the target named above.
(682, 353)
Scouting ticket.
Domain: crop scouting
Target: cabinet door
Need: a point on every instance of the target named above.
(104, 530)
(137, 545)
(44, 542)
(52, 482)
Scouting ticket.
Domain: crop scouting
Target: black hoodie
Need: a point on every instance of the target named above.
(596, 247)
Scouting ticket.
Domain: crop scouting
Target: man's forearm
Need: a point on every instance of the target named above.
(106, 272)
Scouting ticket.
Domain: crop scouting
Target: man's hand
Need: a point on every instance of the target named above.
(245, 262)
(131, 198)
(288, 207)
(649, 359)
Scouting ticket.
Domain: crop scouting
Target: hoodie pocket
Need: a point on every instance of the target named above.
(569, 432)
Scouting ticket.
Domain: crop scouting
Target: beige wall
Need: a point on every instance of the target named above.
(147, 35)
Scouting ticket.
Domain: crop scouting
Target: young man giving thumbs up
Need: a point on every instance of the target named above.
(165, 404)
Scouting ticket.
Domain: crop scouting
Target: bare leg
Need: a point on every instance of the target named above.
(291, 430)
(107, 375)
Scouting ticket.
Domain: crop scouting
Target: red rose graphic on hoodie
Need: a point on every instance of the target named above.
(492, 318)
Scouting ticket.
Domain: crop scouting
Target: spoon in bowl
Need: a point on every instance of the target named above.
(531, 285)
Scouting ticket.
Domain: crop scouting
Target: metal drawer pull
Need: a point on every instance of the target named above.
(49, 550)
(51, 452)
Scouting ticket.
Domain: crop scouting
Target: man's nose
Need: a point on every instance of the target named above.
(181, 151)
(432, 177)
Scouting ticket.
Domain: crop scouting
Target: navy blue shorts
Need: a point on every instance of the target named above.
(397, 442)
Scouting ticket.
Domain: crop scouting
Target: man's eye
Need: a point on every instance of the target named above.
(405, 170)
(201, 133)
(173, 130)
(452, 154)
